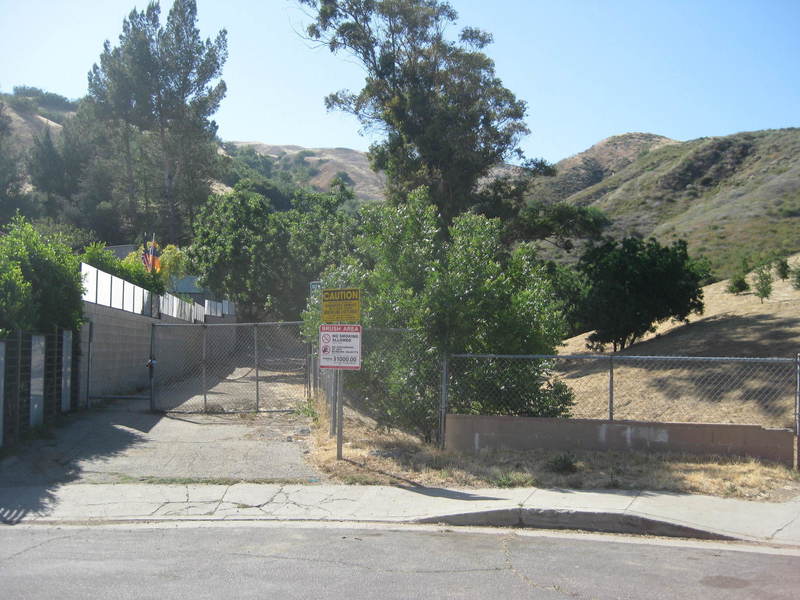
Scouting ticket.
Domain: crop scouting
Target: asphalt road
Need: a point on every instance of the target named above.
(284, 560)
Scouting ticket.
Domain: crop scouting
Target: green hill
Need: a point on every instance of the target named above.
(728, 196)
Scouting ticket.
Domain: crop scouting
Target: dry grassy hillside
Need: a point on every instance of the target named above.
(25, 127)
(705, 391)
(326, 164)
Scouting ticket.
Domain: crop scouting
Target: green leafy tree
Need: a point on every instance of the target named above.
(559, 224)
(263, 259)
(636, 284)
(459, 293)
(447, 117)
(40, 282)
(763, 282)
(161, 79)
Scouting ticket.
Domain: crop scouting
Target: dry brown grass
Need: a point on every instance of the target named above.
(375, 457)
(718, 393)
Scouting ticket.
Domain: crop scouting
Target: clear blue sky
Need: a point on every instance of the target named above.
(588, 69)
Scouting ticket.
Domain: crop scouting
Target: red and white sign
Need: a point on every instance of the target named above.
(340, 347)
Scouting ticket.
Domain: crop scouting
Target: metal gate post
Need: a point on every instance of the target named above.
(255, 354)
(797, 409)
(151, 366)
(89, 364)
(610, 388)
(443, 402)
(18, 421)
(205, 394)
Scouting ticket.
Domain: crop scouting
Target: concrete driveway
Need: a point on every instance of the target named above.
(122, 442)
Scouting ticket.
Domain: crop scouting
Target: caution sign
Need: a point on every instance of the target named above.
(341, 305)
(340, 347)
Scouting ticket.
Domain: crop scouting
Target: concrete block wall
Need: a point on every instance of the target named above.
(474, 433)
(120, 350)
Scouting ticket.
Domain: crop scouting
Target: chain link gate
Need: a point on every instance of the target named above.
(228, 367)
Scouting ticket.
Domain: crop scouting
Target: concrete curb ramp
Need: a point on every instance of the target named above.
(604, 522)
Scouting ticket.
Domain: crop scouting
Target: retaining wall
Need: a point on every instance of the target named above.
(120, 349)
(472, 433)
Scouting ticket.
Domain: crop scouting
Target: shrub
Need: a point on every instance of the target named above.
(737, 284)
(564, 463)
(40, 281)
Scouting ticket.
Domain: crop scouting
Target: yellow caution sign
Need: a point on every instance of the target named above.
(341, 305)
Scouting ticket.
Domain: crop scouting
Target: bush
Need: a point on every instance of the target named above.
(782, 269)
(40, 282)
(738, 284)
(564, 463)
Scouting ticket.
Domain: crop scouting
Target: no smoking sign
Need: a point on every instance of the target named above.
(340, 347)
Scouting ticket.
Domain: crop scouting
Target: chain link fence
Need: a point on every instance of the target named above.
(228, 367)
(403, 383)
(753, 391)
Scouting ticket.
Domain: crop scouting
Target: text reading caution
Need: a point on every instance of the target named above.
(341, 305)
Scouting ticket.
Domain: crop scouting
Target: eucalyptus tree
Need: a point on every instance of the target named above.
(447, 118)
(164, 80)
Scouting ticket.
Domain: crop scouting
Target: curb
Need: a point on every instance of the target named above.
(602, 522)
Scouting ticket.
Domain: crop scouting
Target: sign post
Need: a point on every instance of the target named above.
(340, 345)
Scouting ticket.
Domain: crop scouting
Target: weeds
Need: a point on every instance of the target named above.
(564, 463)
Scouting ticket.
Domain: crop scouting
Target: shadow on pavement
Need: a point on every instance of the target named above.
(31, 475)
(446, 493)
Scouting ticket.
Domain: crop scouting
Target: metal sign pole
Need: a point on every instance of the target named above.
(332, 403)
(339, 416)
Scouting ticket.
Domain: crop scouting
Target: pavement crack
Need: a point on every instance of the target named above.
(271, 498)
(528, 497)
(634, 499)
(40, 544)
(222, 499)
(505, 544)
(784, 526)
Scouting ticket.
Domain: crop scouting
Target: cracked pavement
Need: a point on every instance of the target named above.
(614, 511)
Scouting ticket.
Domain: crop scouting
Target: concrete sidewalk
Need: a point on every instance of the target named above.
(609, 511)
